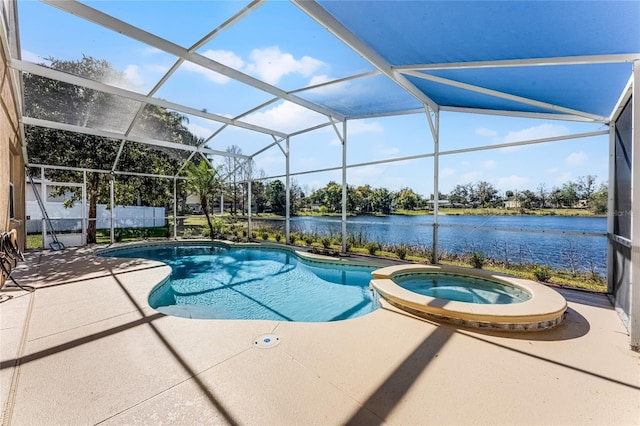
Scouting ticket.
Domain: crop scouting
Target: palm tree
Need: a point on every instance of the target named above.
(203, 181)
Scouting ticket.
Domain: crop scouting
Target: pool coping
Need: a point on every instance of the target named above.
(304, 255)
(545, 309)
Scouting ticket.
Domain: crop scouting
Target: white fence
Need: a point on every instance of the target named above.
(69, 219)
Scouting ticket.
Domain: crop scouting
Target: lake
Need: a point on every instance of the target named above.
(456, 234)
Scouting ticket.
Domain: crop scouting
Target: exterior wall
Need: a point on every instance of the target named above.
(11, 159)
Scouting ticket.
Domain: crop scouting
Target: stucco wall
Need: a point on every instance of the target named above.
(11, 159)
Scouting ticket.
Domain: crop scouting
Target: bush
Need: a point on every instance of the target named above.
(326, 242)
(372, 248)
(308, 239)
(401, 252)
(187, 233)
(477, 260)
(265, 235)
(278, 237)
(542, 273)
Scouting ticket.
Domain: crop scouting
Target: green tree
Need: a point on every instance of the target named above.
(586, 186)
(599, 200)
(67, 103)
(258, 195)
(381, 200)
(333, 196)
(555, 197)
(528, 199)
(203, 181)
(484, 193)
(542, 195)
(569, 194)
(276, 196)
(460, 195)
(406, 199)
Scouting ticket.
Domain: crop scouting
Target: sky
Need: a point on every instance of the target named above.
(282, 46)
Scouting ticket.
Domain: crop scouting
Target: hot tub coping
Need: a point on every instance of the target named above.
(543, 310)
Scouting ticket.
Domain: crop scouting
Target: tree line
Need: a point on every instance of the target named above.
(365, 199)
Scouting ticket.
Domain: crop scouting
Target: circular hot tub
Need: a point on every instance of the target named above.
(470, 297)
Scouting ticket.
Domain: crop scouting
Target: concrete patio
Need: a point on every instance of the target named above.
(86, 348)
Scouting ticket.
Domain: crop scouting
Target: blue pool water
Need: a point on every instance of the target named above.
(461, 288)
(211, 281)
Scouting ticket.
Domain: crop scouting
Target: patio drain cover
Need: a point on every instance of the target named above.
(266, 341)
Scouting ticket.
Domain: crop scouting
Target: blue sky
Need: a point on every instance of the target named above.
(282, 46)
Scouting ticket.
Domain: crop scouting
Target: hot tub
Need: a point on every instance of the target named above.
(481, 299)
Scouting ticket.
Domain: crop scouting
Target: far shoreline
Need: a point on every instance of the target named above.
(480, 211)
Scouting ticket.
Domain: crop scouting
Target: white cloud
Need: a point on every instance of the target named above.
(512, 182)
(225, 57)
(200, 131)
(286, 117)
(536, 132)
(364, 175)
(563, 178)
(386, 151)
(576, 159)
(469, 176)
(553, 170)
(330, 89)
(482, 131)
(447, 171)
(33, 57)
(132, 73)
(271, 64)
(489, 164)
(151, 51)
(162, 69)
(363, 126)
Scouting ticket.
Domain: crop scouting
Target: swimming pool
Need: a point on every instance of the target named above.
(214, 281)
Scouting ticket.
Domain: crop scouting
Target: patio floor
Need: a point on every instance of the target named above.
(85, 348)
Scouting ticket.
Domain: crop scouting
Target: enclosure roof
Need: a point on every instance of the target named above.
(349, 59)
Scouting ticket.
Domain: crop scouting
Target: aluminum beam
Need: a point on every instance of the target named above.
(503, 95)
(320, 15)
(128, 94)
(107, 21)
(523, 114)
(634, 314)
(533, 62)
(120, 136)
(454, 151)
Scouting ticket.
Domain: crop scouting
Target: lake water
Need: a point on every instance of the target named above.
(456, 234)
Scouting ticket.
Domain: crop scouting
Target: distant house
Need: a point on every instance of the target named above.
(512, 204)
(441, 204)
(193, 202)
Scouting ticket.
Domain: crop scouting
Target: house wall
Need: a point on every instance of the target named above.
(11, 158)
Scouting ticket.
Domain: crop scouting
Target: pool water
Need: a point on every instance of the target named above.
(210, 281)
(461, 288)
